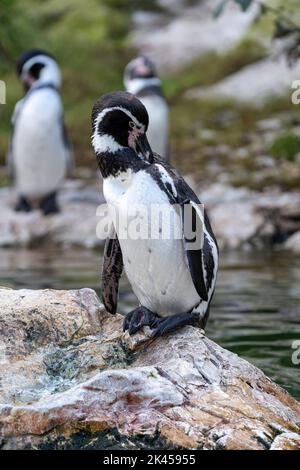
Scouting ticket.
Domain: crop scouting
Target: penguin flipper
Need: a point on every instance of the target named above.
(111, 272)
(193, 222)
(193, 233)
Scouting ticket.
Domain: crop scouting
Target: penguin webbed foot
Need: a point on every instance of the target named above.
(139, 317)
(23, 205)
(49, 205)
(173, 322)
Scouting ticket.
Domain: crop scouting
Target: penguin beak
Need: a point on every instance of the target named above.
(144, 148)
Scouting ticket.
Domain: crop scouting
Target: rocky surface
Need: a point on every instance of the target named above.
(245, 86)
(187, 33)
(71, 379)
(74, 225)
(242, 218)
(293, 243)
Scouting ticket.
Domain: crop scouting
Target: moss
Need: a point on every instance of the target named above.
(286, 146)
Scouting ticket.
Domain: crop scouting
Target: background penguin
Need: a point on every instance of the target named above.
(39, 156)
(141, 80)
(173, 281)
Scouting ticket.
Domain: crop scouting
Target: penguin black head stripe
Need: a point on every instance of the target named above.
(37, 65)
(30, 54)
(120, 120)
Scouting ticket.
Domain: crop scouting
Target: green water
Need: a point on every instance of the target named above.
(255, 312)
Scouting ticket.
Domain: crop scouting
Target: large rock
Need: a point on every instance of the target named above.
(75, 224)
(293, 243)
(179, 35)
(245, 87)
(71, 379)
(242, 218)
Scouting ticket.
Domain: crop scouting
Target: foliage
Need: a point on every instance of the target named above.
(88, 38)
(286, 146)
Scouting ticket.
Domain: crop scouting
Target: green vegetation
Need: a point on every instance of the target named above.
(90, 41)
(286, 147)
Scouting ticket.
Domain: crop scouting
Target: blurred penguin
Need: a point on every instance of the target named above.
(39, 156)
(141, 80)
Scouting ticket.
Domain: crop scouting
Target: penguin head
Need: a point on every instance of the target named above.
(36, 65)
(139, 73)
(119, 121)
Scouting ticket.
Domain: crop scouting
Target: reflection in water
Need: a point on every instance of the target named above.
(255, 313)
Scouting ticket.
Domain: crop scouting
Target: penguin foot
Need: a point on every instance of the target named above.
(139, 317)
(23, 205)
(49, 205)
(173, 322)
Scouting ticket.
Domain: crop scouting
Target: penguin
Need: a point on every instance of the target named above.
(140, 79)
(173, 276)
(40, 155)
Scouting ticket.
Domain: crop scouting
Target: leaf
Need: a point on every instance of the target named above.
(219, 9)
(244, 4)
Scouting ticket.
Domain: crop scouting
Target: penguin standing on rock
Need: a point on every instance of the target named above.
(173, 279)
(39, 156)
(141, 80)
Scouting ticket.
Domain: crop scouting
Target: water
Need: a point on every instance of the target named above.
(255, 312)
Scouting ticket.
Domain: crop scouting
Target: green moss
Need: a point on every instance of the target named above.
(286, 147)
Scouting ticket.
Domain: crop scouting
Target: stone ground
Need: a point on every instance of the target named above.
(187, 33)
(71, 379)
(241, 218)
(175, 38)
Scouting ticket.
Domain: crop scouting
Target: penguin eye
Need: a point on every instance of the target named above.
(131, 124)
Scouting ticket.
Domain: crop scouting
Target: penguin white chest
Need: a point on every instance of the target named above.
(149, 230)
(38, 150)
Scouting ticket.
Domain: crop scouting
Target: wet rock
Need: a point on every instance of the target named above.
(74, 225)
(244, 218)
(71, 379)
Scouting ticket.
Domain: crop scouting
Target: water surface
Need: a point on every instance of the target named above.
(255, 312)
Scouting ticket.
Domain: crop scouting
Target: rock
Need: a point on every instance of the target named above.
(244, 218)
(187, 33)
(245, 87)
(71, 379)
(286, 441)
(74, 225)
(293, 243)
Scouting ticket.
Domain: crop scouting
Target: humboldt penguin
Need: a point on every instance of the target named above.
(171, 262)
(40, 156)
(140, 79)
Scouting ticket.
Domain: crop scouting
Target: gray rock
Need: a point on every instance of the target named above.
(293, 243)
(244, 218)
(244, 86)
(75, 225)
(70, 378)
(188, 33)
